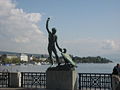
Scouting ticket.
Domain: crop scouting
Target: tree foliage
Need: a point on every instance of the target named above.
(89, 59)
(5, 60)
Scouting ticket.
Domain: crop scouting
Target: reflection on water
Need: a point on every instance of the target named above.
(82, 68)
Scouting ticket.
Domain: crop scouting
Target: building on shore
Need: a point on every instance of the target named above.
(24, 57)
(10, 56)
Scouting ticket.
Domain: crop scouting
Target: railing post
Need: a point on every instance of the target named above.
(14, 79)
(79, 81)
(8, 79)
(21, 79)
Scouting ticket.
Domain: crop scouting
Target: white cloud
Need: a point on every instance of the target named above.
(92, 47)
(33, 17)
(111, 45)
(20, 30)
(21, 40)
(83, 46)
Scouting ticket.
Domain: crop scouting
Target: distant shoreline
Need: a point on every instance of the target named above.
(90, 59)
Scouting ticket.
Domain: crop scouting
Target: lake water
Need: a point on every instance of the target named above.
(82, 68)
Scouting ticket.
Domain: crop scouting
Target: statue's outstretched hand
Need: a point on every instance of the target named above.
(64, 50)
(48, 19)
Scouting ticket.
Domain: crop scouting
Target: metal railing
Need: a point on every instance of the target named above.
(33, 79)
(87, 81)
(95, 81)
(4, 79)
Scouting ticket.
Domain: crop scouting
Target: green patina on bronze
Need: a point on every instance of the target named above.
(68, 58)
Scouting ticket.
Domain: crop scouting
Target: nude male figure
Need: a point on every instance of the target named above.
(52, 43)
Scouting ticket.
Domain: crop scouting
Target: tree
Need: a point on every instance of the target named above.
(15, 60)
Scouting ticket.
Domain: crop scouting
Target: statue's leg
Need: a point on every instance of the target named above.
(50, 55)
(57, 58)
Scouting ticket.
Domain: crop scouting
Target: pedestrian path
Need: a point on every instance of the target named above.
(23, 89)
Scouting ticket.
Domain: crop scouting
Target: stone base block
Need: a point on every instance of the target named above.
(61, 80)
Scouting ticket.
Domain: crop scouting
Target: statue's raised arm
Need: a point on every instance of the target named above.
(47, 25)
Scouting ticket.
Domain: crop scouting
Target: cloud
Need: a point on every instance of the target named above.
(111, 45)
(92, 47)
(19, 31)
(83, 46)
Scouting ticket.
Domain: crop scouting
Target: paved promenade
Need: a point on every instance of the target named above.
(23, 89)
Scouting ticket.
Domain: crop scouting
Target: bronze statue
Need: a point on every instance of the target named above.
(52, 38)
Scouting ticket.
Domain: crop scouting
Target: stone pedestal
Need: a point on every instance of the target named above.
(14, 79)
(61, 79)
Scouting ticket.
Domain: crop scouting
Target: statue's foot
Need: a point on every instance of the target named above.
(59, 64)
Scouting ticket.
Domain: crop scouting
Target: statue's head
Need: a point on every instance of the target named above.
(64, 50)
(53, 30)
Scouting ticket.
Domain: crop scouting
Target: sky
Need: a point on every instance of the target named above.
(84, 27)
